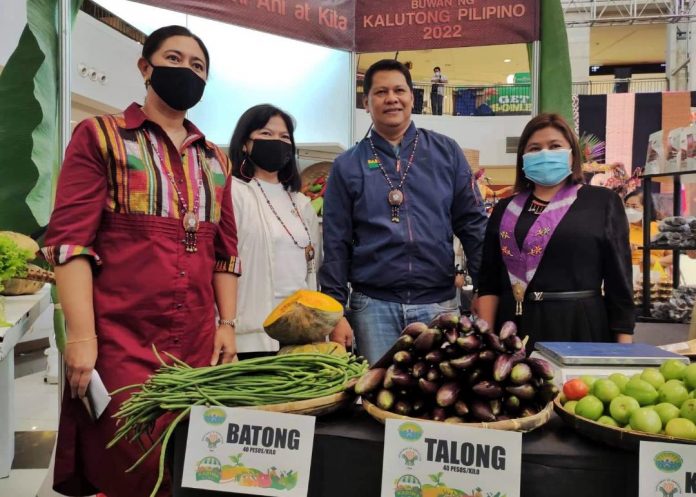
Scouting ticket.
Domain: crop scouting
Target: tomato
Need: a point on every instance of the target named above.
(575, 389)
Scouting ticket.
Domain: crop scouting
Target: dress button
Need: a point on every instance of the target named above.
(180, 181)
(183, 273)
(176, 339)
(179, 306)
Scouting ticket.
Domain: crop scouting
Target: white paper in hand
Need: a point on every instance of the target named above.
(97, 397)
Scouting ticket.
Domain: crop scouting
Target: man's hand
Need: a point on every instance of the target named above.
(225, 345)
(342, 333)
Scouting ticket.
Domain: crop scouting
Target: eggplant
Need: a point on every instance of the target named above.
(404, 342)
(482, 411)
(435, 356)
(541, 368)
(547, 392)
(445, 321)
(402, 407)
(524, 392)
(469, 343)
(370, 381)
(451, 335)
(519, 356)
(427, 387)
(513, 343)
(402, 379)
(447, 394)
(521, 373)
(512, 404)
(537, 382)
(509, 329)
(483, 326)
(385, 400)
(487, 389)
(487, 356)
(419, 370)
(465, 325)
(502, 367)
(439, 414)
(414, 329)
(528, 411)
(454, 420)
(474, 376)
(451, 350)
(494, 343)
(428, 340)
(389, 376)
(433, 375)
(465, 361)
(447, 370)
(461, 408)
(418, 406)
(496, 407)
(403, 358)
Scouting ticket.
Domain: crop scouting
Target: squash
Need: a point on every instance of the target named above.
(330, 348)
(304, 317)
(24, 242)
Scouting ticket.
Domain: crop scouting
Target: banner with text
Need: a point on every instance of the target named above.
(248, 452)
(387, 25)
(324, 22)
(430, 459)
(666, 469)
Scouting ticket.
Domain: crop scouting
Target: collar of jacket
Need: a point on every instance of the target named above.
(382, 145)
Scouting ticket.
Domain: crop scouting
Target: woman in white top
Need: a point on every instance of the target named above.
(277, 228)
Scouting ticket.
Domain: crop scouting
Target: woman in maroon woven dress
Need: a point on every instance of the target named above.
(144, 244)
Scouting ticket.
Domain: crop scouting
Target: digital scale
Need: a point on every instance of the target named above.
(572, 359)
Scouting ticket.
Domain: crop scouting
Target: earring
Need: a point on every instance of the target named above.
(148, 83)
(241, 170)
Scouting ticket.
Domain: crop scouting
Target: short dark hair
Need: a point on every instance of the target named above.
(542, 121)
(159, 36)
(437, 68)
(385, 65)
(256, 118)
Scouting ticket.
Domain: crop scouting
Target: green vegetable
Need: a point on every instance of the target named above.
(13, 260)
(253, 382)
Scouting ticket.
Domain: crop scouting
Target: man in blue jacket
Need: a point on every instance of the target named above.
(392, 205)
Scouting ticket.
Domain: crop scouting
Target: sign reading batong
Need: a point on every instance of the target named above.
(384, 25)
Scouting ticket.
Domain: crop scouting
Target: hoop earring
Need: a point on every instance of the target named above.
(241, 170)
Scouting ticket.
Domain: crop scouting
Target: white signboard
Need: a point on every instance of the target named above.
(666, 470)
(248, 452)
(423, 459)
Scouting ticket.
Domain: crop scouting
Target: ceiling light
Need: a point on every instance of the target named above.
(507, 60)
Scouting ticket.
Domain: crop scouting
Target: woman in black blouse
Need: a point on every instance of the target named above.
(556, 256)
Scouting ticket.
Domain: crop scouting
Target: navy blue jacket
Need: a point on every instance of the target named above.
(411, 262)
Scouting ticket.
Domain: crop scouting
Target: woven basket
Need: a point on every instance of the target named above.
(310, 173)
(520, 424)
(313, 407)
(34, 280)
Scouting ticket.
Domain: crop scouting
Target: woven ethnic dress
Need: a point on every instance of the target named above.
(116, 204)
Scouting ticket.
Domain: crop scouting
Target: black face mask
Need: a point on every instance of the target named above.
(271, 155)
(179, 87)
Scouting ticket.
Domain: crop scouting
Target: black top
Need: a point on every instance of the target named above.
(589, 250)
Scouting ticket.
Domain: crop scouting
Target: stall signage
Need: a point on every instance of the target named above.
(245, 451)
(385, 25)
(666, 469)
(428, 458)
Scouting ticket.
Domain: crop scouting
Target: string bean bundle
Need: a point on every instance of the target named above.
(176, 387)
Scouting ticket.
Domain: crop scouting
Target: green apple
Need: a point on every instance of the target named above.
(570, 406)
(681, 428)
(588, 380)
(622, 407)
(620, 380)
(607, 420)
(673, 369)
(589, 407)
(653, 376)
(646, 420)
(673, 392)
(688, 410)
(642, 391)
(605, 390)
(690, 376)
(666, 411)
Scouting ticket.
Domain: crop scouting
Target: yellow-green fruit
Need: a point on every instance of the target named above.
(570, 406)
(620, 380)
(690, 376)
(653, 376)
(674, 393)
(622, 407)
(642, 391)
(607, 420)
(589, 407)
(673, 369)
(646, 420)
(605, 390)
(667, 412)
(688, 410)
(588, 380)
(681, 428)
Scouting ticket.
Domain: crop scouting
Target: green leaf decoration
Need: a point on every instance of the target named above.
(29, 142)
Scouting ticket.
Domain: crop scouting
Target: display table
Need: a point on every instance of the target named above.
(22, 312)
(347, 462)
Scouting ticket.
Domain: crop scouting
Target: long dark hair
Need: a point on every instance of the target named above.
(159, 36)
(256, 118)
(548, 121)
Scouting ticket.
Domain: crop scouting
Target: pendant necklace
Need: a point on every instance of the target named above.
(309, 248)
(395, 197)
(189, 217)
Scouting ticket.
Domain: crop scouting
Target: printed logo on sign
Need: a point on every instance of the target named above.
(410, 431)
(408, 486)
(668, 488)
(213, 439)
(209, 468)
(409, 456)
(214, 416)
(668, 461)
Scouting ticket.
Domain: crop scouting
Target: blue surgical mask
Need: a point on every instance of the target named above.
(547, 167)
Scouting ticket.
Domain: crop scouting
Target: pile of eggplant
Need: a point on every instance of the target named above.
(458, 371)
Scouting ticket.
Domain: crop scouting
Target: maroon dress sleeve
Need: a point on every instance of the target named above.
(80, 198)
(226, 255)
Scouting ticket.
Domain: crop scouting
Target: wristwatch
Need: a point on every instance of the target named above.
(228, 322)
